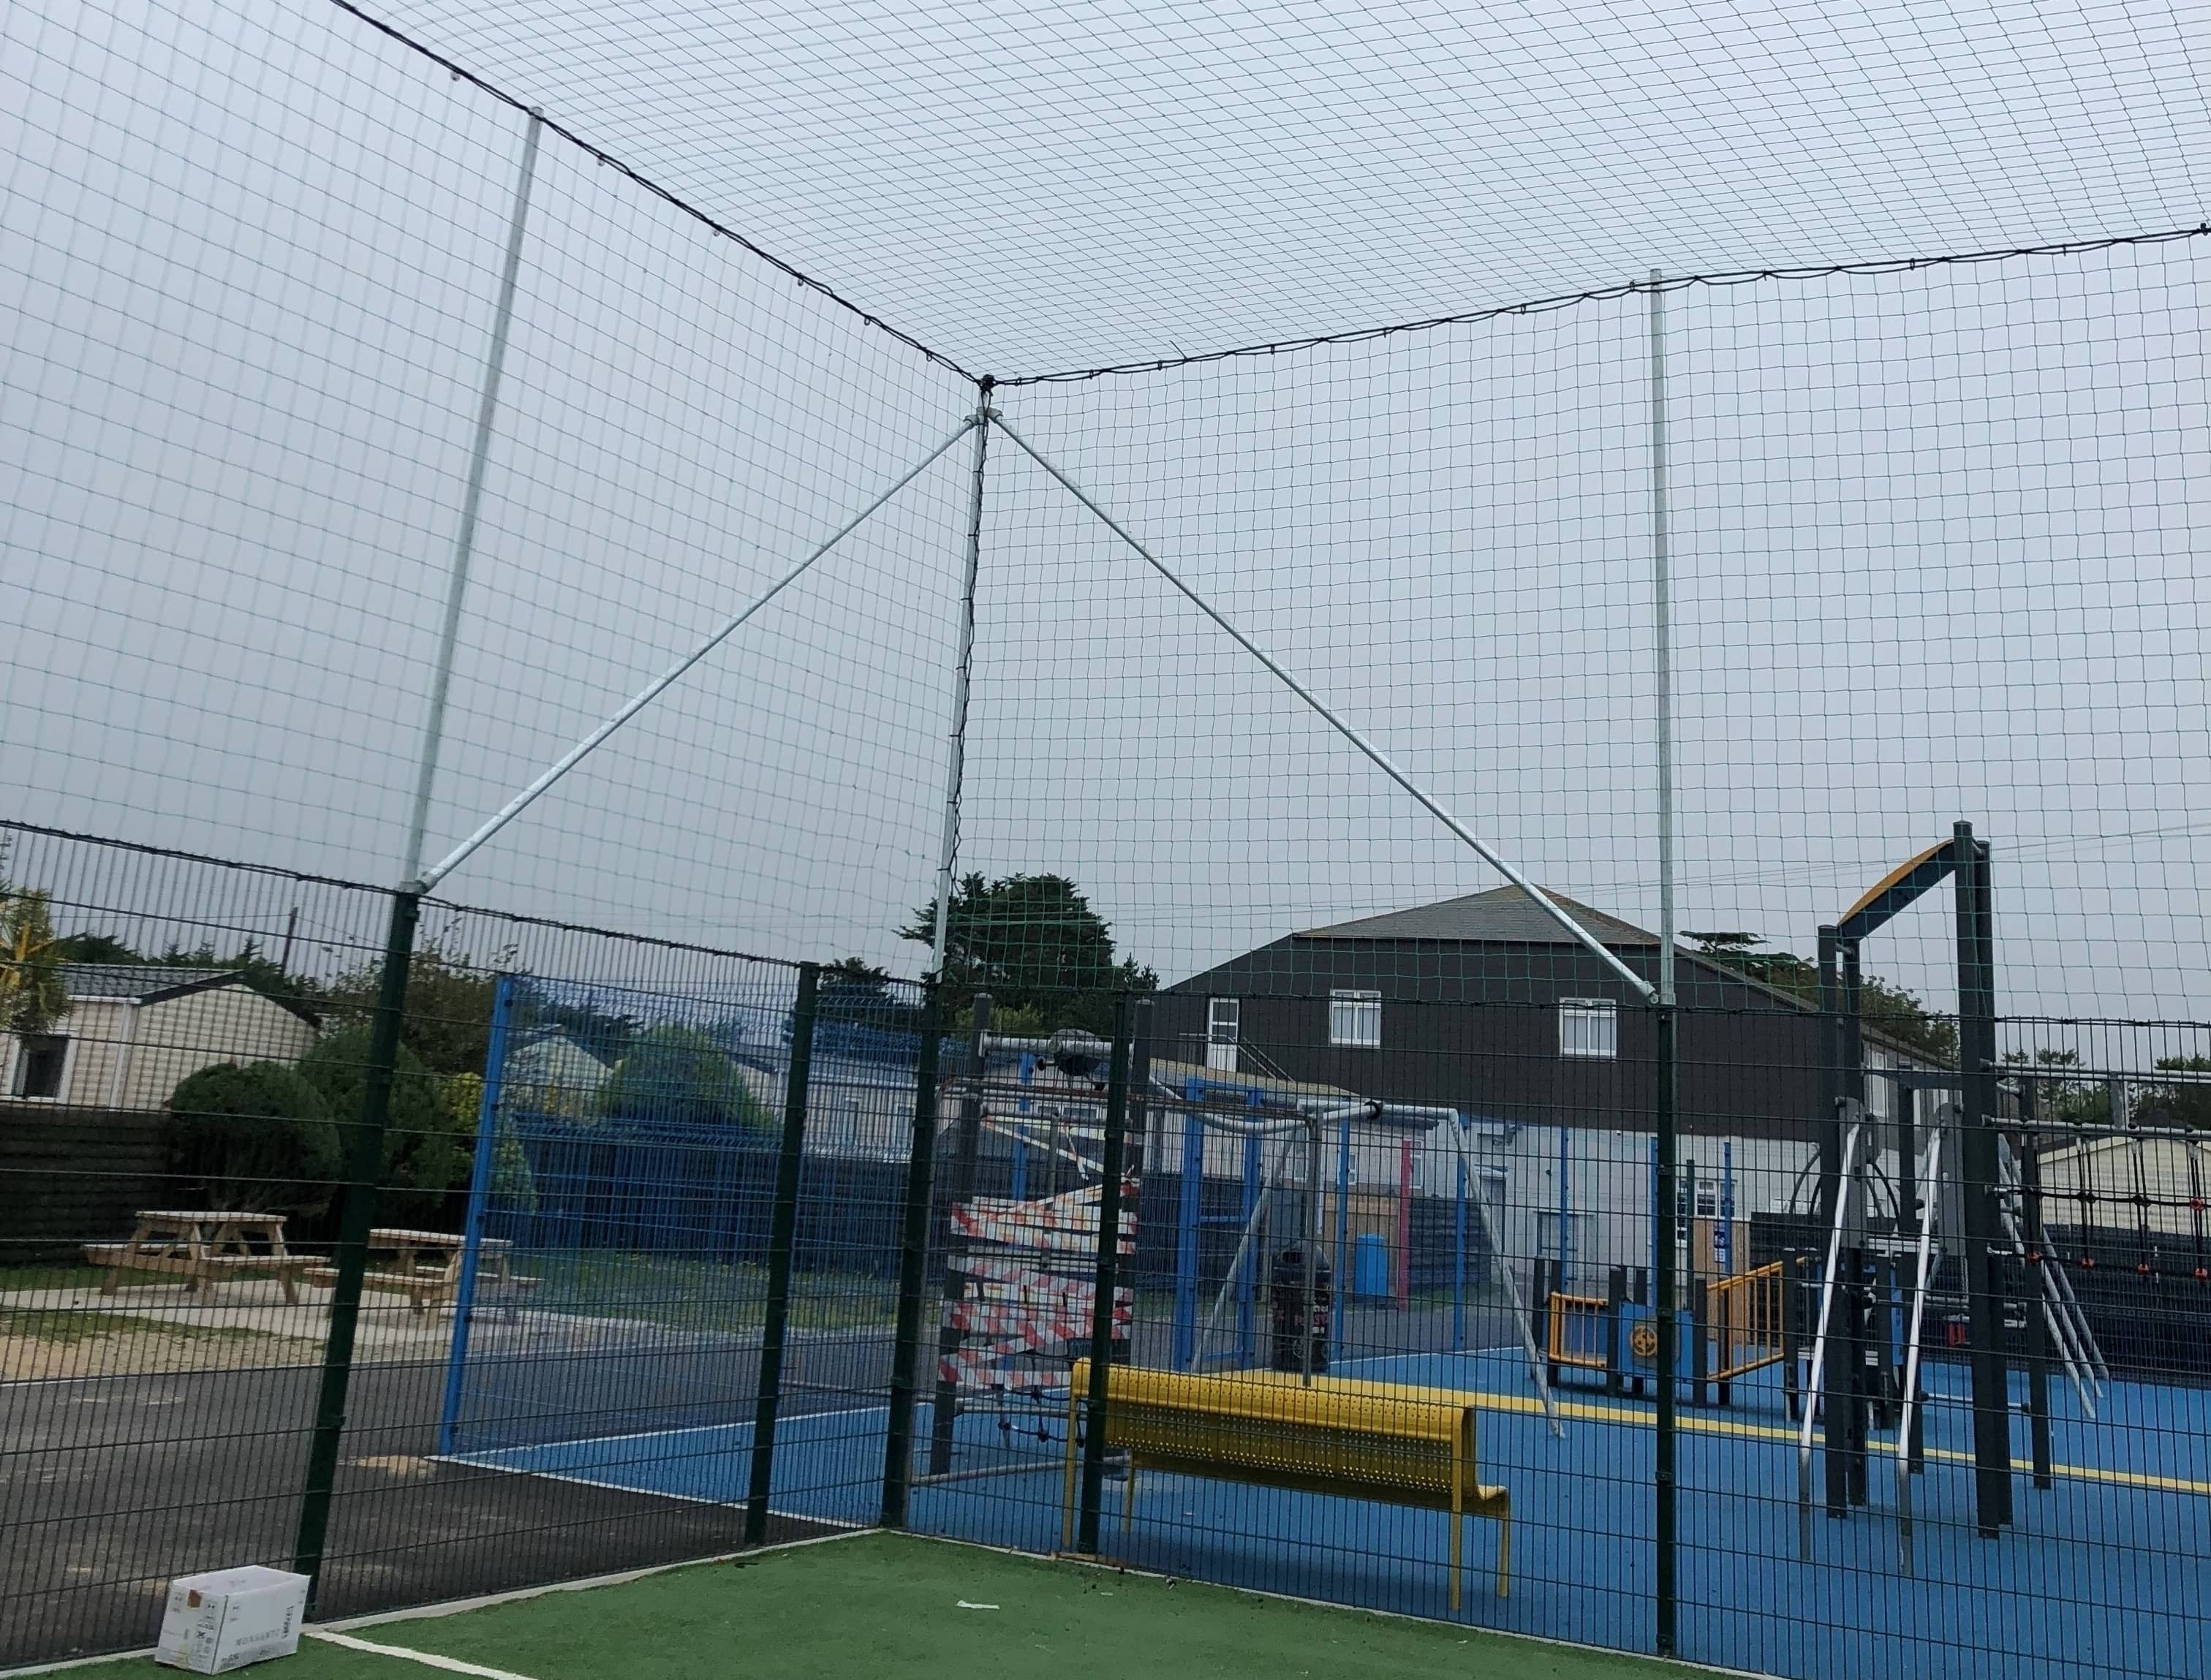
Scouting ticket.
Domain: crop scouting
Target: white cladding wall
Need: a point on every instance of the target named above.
(155, 1045)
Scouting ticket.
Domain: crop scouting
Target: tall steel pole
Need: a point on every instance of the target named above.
(464, 543)
(955, 759)
(1668, 1286)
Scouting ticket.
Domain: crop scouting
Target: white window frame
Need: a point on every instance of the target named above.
(1355, 1019)
(1224, 1031)
(16, 1063)
(1589, 1029)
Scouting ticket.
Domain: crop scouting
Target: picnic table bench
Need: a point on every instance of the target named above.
(205, 1247)
(425, 1266)
(1356, 1440)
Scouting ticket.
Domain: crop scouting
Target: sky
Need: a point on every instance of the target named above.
(1934, 533)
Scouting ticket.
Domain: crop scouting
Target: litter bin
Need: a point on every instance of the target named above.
(1286, 1292)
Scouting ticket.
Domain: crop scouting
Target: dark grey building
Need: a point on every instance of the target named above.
(1483, 1004)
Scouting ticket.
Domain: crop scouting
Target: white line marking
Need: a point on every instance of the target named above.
(451, 1664)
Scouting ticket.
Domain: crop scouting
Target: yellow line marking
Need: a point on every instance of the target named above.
(1587, 1412)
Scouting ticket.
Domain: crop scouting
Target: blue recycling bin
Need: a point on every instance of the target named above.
(1370, 1267)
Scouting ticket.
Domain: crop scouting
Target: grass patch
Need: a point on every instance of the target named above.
(699, 1295)
(60, 1275)
(69, 1327)
(889, 1607)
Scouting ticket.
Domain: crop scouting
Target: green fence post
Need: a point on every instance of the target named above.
(364, 1175)
(967, 1148)
(1664, 1288)
(913, 1271)
(1108, 1265)
(783, 1232)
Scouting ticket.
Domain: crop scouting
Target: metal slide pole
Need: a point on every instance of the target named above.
(1132, 1019)
(1933, 1179)
(1252, 1224)
(1848, 1178)
(1381, 760)
(1668, 1325)
(653, 690)
(783, 1233)
(464, 543)
(1520, 1314)
(364, 1176)
(955, 759)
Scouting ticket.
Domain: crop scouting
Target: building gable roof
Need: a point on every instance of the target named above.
(145, 984)
(153, 983)
(1503, 915)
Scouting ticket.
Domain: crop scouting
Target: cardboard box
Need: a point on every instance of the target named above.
(224, 1620)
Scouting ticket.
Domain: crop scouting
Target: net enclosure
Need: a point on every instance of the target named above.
(1398, 805)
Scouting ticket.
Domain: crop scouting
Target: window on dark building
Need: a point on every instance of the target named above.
(1355, 1019)
(1589, 1027)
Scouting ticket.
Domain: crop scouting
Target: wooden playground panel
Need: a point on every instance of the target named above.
(1734, 1326)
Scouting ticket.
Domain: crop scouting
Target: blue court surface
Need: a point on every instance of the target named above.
(2102, 1575)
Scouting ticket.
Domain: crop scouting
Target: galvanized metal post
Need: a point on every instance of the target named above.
(364, 1175)
(955, 760)
(913, 1269)
(1666, 1286)
(1106, 1272)
(966, 1145)
(464, 543)
(781, 1240)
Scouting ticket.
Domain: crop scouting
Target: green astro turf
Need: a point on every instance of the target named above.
(886, 1607)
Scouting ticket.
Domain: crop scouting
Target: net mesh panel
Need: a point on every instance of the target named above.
(1930, 563)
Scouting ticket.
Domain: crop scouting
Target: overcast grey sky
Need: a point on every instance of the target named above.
(1936, 534)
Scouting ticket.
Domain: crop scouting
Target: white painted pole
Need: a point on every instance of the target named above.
(464, 543)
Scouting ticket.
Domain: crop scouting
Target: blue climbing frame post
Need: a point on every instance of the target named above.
(480, 1175)
(1458, 1248)
(1186, 1245)
(1343, 1279)
(1247, 1291)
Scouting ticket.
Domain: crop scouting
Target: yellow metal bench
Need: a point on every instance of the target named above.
(1356, 1439)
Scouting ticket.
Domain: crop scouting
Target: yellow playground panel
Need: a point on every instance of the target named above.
(1376, 1441)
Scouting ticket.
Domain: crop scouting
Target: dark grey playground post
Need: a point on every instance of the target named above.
(1105, 1274)
(913, 1269)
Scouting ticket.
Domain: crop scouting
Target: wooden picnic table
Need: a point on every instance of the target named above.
(425, 1266)
(204, 1246)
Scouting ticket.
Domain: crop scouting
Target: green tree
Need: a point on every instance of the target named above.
(254, 1140)
(857, 993)
(2058, 1096)
(2180, 1103)
(102, 948)
(1035, 944)
(513, 1185)
(265, 974)
(426, 1148)
(32, 996)
(1888, 1010)
(680, 1074)
(447, 1019)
